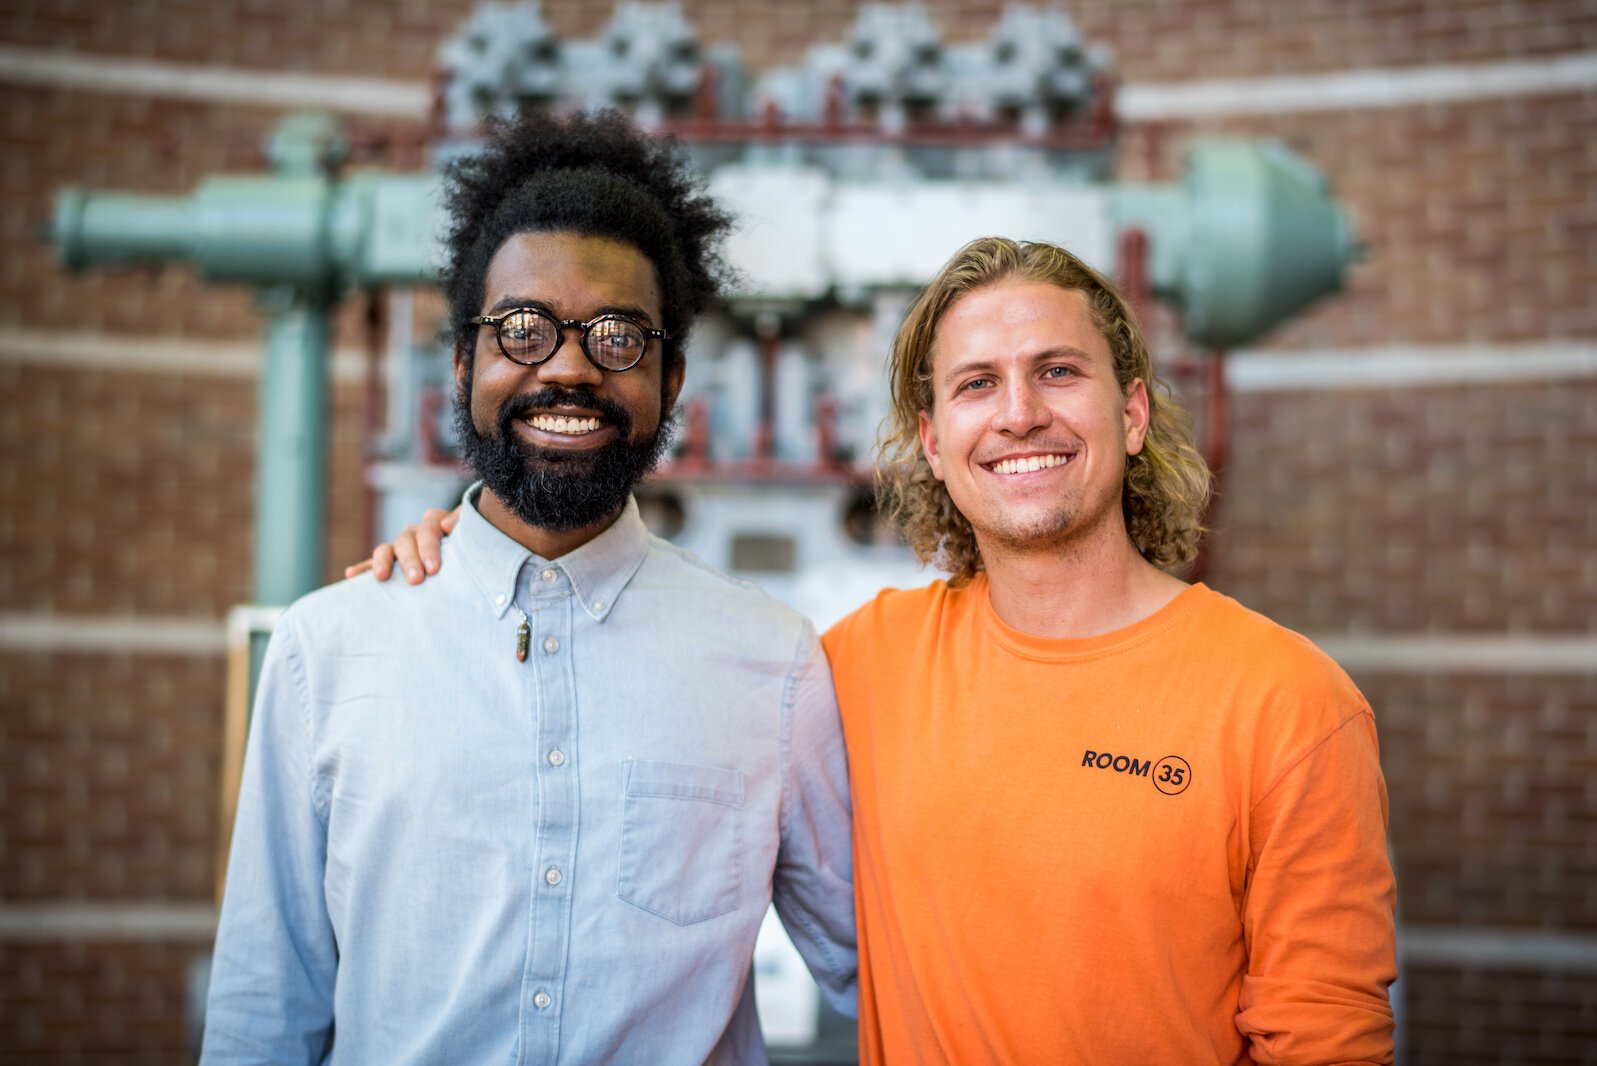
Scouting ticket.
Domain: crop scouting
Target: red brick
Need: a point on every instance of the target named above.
(136, 990)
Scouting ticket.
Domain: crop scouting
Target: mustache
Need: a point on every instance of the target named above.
(524, 404)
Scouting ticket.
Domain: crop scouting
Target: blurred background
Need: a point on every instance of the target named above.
(1362, 233)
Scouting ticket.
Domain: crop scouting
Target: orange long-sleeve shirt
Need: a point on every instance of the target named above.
(1162, 845)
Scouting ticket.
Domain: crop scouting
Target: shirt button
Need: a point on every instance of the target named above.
(548, 576)
(552, 875)
(598, 605)
(500, 599)
(541, 1000)
(551, 645)
(557, 757)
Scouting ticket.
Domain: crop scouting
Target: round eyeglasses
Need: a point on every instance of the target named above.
(529, 336)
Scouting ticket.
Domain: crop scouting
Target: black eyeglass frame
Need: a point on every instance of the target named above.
(649, 333)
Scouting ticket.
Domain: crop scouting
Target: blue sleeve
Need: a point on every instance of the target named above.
(814, 880)
(272, 973)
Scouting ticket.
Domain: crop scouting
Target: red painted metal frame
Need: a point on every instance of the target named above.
(1208, 367)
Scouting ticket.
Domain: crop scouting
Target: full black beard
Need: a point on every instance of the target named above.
(554, 490)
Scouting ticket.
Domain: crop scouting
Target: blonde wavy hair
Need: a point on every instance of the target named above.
(1166, 486)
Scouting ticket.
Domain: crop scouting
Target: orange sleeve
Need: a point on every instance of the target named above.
(1318, 913)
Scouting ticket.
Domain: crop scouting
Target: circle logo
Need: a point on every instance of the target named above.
(1172, 775)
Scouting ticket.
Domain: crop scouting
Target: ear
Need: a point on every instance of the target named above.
(1135, 415)
(673, 382)
(462, 359)
(928, 444)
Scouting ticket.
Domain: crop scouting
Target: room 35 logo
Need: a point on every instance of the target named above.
(1170, 775)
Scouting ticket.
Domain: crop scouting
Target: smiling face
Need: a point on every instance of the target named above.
(561, 444)
(1029, 430)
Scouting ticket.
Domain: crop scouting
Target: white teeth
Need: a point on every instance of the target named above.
(561, 424)
(1028, 464)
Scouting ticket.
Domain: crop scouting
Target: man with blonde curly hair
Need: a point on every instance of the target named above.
(1100, 815)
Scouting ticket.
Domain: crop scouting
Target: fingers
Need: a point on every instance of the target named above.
(435, 525)
(417, 550)
(381, 564)
(408, 555)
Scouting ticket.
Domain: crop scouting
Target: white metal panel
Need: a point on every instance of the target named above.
(900, 233)
(776, 243)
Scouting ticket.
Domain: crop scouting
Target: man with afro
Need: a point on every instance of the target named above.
(535, 810)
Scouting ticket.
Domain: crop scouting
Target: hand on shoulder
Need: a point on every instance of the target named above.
(417, 549)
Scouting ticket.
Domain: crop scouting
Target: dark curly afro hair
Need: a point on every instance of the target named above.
(598, 175)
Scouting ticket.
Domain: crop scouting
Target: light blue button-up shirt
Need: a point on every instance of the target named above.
(444, 854)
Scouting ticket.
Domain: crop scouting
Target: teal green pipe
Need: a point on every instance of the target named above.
(370, 230)
(290, 500)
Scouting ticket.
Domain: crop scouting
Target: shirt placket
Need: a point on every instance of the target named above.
(549, 599)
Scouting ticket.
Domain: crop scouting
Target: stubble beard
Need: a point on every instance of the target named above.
(1070, 527)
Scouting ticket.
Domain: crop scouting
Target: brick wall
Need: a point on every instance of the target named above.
(1484, 1016)
(1414, 509)
(110, 765)
(1488, 778)
(1432, 508)
(1477, 217)
(131, 493)
(95, 1003)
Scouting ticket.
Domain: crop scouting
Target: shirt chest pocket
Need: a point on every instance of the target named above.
(681, 840)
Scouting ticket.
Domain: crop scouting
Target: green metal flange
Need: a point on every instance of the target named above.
(1248, 238)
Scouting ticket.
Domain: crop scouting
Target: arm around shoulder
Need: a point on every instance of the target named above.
(273, 969)
(814, 881)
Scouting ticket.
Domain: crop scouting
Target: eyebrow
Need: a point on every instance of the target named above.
(988, 366)
(512, 303)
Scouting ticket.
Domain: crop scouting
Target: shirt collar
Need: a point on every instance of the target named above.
(599, 570)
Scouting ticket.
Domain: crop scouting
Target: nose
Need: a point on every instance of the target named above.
(1021, 408)
(569, 365)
